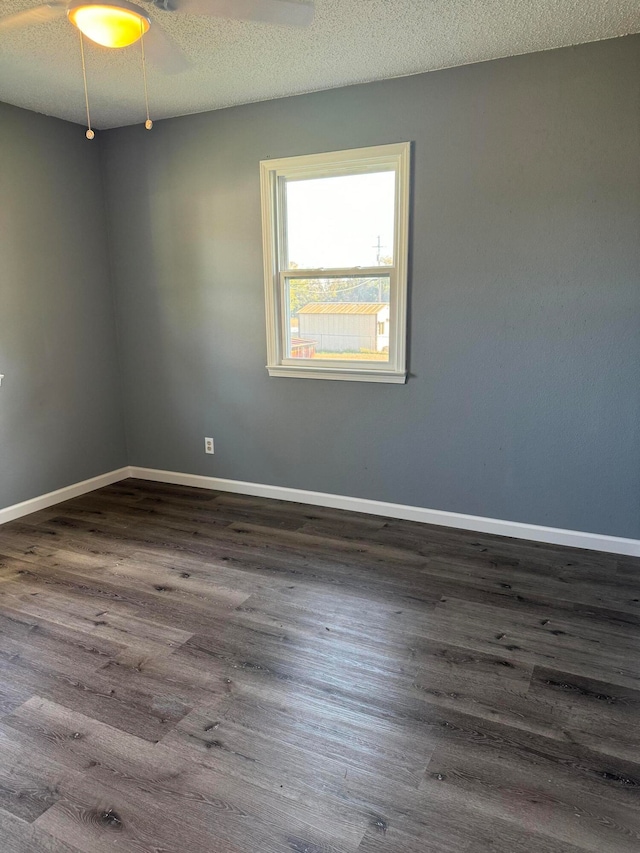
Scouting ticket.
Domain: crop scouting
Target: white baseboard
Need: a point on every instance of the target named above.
(515, 529)
(10, 513)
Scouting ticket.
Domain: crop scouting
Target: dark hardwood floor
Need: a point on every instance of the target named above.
(199, 672)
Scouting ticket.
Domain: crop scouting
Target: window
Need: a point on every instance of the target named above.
(335, 238)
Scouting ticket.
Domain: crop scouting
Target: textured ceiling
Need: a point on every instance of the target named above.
(233, 62)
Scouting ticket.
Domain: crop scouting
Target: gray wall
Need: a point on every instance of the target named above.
(60, 413)
(524, 396)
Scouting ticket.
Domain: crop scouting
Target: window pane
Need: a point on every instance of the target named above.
(345, 221)
(339, 318)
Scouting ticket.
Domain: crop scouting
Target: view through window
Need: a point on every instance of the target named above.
(340, 222)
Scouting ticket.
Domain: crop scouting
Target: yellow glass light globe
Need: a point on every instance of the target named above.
(111, 25)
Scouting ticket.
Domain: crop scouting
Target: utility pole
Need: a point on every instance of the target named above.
(378, 248)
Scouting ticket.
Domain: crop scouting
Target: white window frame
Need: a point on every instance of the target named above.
(273, 174)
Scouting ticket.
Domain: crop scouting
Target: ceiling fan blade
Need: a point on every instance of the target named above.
(288, 12)
(160, 49)
(37, 15)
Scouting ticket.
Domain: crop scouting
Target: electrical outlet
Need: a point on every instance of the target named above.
(208, 445)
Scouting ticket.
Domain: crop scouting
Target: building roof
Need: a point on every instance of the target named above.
(343, 307)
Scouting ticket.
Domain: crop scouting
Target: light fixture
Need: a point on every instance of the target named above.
(114, 24)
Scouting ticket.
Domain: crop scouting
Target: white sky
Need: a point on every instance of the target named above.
(336, 222)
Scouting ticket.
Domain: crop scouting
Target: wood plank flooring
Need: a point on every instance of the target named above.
(184, 671)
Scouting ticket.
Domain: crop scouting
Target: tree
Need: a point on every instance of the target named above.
(355, 288)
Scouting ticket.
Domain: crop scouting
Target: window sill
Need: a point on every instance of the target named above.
(348, 374)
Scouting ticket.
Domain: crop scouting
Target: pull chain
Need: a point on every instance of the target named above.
(89, 134)
(148, 123)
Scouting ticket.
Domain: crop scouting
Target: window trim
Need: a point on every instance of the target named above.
(395, 157)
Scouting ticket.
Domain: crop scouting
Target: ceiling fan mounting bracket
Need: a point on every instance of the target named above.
(164, 5)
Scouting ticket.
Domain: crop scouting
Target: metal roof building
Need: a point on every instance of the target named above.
(347, 327)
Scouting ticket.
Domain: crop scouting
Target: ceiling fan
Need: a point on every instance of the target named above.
(119, 23)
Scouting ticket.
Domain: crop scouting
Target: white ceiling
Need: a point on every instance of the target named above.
(233, 62)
